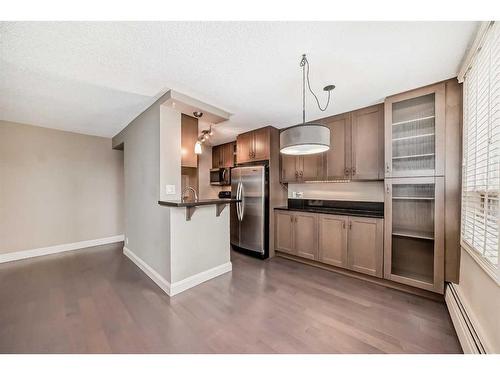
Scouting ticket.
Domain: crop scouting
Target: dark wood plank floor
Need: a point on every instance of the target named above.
(97, 301)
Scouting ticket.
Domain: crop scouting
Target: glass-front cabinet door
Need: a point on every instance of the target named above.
(414, 133)
(414, 232)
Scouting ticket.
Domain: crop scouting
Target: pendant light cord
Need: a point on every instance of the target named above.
(302, 64)
(305, 76)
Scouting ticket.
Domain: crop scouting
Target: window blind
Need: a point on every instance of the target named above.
(481, 151)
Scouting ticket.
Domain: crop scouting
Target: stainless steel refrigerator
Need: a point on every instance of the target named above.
(249, 218)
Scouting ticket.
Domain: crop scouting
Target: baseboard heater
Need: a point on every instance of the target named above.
(467, 334)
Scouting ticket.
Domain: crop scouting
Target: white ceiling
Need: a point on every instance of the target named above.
(95, 77)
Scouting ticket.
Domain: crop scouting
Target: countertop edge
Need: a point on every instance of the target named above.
(203, 202)
(332, 212)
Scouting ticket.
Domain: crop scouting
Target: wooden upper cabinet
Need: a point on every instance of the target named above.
(311, 167)
(229, 149)
(254, 145)
(289, 168)
(332, 243)
(216, 156)
(305, 234)
(338, 158)
(244, 147)
(189, 136)
(261, 144)
(367, 143)
(415, 132)
(223, 155)
(366, 245)
(356, 150)
(284, 231)
(302, 168)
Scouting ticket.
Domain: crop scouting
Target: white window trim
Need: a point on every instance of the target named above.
(490, 269)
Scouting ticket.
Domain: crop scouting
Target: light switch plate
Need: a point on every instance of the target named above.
(170, 189)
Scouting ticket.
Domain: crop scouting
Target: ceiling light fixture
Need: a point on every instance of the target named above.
(197, 148)
(306, 139)
(204, 136)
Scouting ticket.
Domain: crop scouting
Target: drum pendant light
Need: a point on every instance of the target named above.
(311, 138)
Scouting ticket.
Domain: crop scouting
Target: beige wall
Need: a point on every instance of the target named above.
(481, 296)
(57, 187)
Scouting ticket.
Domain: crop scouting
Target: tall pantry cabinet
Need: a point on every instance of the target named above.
(415, 179)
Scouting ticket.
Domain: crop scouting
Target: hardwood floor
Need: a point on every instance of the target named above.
(97, 301)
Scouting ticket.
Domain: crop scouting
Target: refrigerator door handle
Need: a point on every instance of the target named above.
(238, 204)
(242, 197)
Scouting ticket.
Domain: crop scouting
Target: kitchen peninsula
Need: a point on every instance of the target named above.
(199, 242)
(198, 228)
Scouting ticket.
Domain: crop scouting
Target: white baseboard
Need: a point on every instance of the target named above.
(179, 286)
(152, 274)
(199, 278)
(24, 254)
(467, 334)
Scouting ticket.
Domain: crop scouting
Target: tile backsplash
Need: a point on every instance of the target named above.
(371, 191)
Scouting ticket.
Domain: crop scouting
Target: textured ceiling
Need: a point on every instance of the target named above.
(95, 77)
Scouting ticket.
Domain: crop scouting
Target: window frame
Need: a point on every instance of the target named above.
(489, 267)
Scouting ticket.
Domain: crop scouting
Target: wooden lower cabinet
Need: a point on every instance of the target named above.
(356, 243)
(332, 247)
(305, 235)
(284, 231)
(296, 233)
(365, 249)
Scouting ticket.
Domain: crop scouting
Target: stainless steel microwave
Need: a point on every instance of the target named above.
(220, 176)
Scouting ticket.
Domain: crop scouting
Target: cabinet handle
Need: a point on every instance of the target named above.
(353, 171)
(388, 189)
(296, 174)
(291, 219)
(346, 171)
(387, 168)
(350, 225)
(301, 173)
(343, 224)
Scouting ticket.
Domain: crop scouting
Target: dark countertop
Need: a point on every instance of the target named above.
(200, 202)
(350, 208)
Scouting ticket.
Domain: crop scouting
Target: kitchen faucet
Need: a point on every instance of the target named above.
(194, 193)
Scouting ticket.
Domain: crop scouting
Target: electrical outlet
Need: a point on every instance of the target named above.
(170, 189)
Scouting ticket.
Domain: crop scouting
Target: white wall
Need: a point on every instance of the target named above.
(170, 152)
(200, 244)
(371, 191)
(57, 188)
(481, 296)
